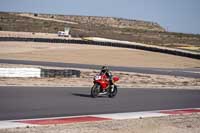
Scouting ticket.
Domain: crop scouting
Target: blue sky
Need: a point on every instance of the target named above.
(174, 15)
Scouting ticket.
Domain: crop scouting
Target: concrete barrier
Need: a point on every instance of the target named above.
(38, 72)
(60, 73)
(20, 72)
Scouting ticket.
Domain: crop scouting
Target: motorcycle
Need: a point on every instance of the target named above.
(102, 86)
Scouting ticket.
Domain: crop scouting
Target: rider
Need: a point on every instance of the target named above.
(105, 70)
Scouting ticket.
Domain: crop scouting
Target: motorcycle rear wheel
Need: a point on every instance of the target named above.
(95, 90)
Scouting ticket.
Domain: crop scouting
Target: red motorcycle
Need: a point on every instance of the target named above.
(102, 86)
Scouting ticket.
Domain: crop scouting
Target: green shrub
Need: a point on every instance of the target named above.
(35, 14)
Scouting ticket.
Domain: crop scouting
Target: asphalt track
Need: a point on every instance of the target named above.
(187, 72)
(38, 102)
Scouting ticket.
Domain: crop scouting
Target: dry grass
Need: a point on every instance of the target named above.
(191, 48)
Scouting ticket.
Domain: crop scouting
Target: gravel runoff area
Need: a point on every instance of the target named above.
(133, 80)
(167, 124)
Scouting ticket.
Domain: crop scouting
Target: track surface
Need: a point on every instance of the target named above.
(33, 102)
(189, 72)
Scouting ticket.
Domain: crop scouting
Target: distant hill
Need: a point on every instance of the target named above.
(52, 23)
(107, 27)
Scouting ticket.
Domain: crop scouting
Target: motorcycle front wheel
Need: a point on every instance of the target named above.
(113, 92)
(95, 90)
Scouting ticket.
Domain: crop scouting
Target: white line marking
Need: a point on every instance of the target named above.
(133, 115)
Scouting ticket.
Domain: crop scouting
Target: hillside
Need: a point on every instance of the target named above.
(107, 27)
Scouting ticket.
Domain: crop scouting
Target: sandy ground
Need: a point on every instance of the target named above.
(133, 80)
(85, 54)
(169, 124)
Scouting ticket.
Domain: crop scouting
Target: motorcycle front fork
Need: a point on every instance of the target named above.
(110, 87)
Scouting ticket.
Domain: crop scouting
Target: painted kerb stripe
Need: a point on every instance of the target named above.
(93, 118)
